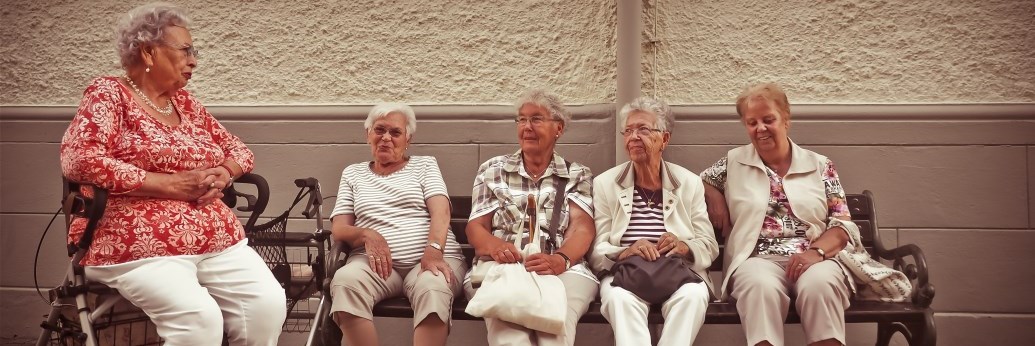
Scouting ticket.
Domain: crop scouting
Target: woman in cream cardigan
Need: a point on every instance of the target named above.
(650, 208)
(786, 219)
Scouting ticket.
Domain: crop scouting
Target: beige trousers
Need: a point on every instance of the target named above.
(580, 291)
(763, 294)
(356, 288)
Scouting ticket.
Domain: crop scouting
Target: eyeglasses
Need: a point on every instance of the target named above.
(381, 131)
(642, 131)
(187, 51)
(534, 121)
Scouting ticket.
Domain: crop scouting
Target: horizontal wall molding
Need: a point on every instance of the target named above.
(320, 112)
(715, 112)
(873, 112)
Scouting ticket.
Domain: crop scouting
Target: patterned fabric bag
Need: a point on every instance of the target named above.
(875, 280)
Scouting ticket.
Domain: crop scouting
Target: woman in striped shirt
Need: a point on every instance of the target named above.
(651, 208)
(394, 212)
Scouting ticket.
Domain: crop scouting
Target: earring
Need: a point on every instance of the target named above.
(148, 69)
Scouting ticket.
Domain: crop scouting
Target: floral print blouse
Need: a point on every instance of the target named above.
(112, 142)
(783, 233)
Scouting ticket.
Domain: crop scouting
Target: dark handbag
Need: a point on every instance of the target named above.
(654, 281)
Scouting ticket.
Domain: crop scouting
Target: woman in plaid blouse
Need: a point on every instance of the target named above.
(500, 203)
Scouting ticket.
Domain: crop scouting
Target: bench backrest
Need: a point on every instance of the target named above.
(860, 206)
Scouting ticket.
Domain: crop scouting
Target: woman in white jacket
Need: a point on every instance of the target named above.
(789, 219)
(651, 208)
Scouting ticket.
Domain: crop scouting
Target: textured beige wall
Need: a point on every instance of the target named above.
(330, 52)
(845, 51)
(355, 52)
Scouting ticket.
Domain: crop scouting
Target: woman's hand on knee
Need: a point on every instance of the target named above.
(379, 255)
(798, 263)
(434, 262)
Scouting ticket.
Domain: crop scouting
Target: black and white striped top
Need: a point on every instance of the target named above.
(646, 222)
(394, 206)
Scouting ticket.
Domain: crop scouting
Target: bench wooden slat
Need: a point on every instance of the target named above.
(919, 319)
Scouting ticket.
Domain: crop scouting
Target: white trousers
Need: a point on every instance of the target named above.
(763, 295)
(192, 299)
(684, 314)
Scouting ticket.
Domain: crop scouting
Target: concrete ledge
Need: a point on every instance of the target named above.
(934, 112)
(320, 112)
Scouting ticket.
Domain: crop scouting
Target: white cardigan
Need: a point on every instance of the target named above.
(685, 215)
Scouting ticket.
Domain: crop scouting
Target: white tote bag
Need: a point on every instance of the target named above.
(511, 293)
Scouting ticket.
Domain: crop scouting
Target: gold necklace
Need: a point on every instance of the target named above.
(648, 198)
(533, 175)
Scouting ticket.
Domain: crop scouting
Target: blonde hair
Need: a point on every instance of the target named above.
(769, 91)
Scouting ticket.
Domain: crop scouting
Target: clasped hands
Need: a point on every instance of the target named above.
(668, 245)
(539, 263)
(202, 186)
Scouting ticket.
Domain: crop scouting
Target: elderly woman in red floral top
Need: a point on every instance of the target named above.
(167, 242)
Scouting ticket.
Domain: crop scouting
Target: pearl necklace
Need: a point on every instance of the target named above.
(167, 111)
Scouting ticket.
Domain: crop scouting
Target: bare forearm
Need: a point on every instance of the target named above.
(581, 231)
(480, 237)
(712, 194)
(343, 228)
(438, 207)
(576, 245)
(832, 241)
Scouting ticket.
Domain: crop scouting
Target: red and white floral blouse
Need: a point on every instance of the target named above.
(112, 142)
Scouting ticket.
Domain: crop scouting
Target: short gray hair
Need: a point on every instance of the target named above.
(546, 100)
(384, 109)
(145, 25)
(662, 113)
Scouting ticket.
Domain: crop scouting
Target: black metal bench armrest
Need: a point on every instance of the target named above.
(338, 254)
(923, 290)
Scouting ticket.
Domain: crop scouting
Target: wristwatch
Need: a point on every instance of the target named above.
(567, 261)
(820, 251)
(435, 246)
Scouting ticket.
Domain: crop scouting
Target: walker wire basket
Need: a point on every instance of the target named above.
(296, 259)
